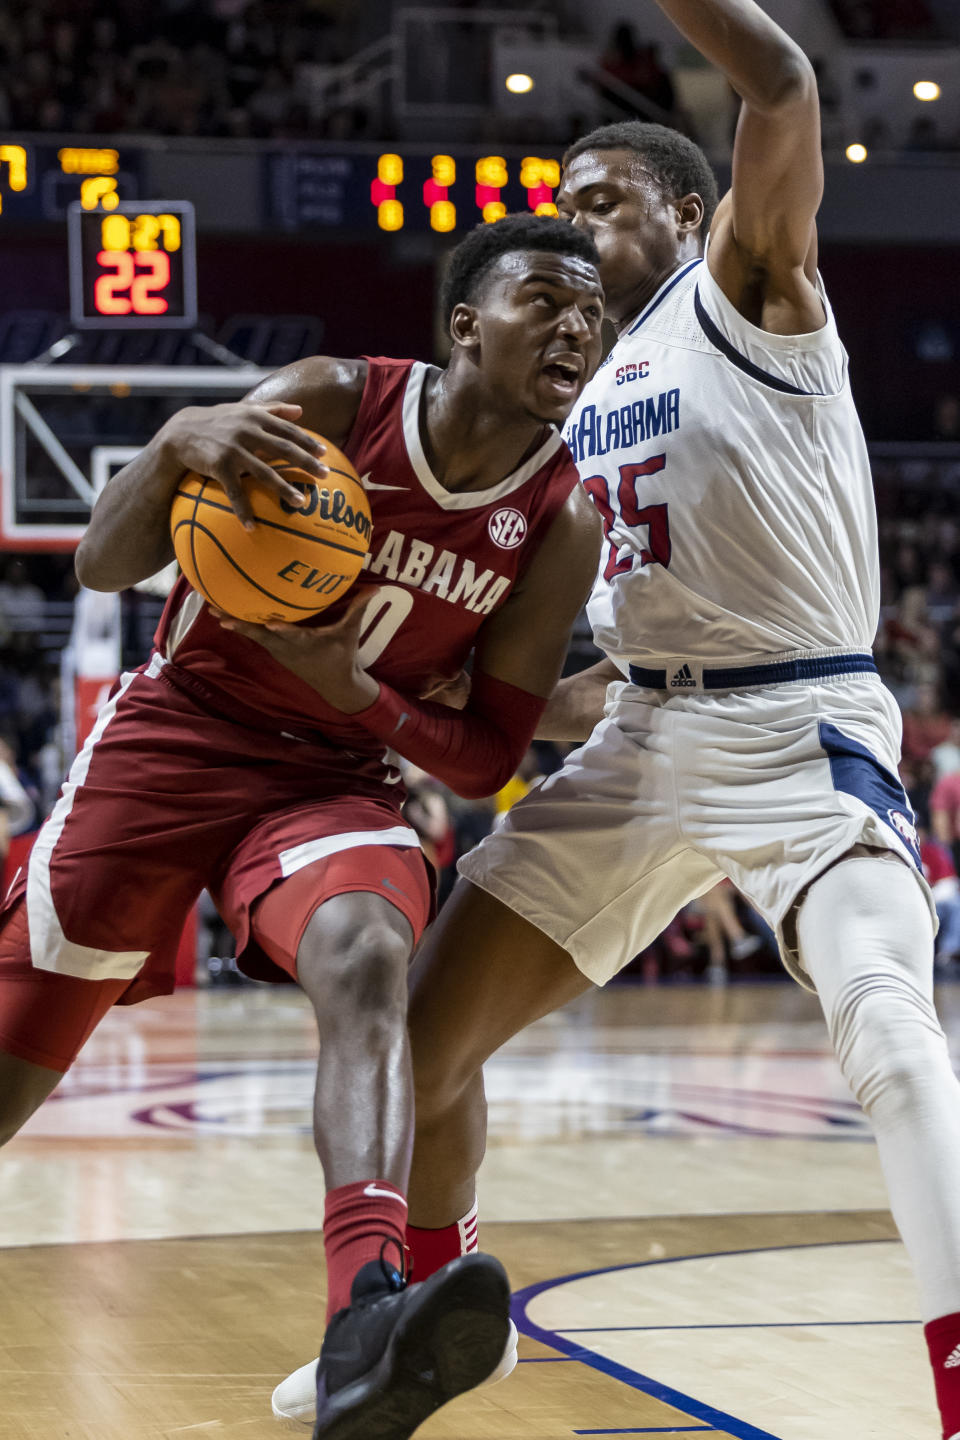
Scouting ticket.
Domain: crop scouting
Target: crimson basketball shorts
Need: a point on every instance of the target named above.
(168, 798)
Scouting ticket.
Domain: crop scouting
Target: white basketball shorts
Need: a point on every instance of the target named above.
(672, 792)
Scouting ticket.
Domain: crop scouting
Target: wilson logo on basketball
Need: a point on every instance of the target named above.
(333, 506)
(508, 528)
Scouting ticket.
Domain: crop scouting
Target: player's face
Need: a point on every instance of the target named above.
(539, 329)
(611, 194)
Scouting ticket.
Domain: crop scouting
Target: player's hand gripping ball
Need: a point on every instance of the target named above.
(294, 562)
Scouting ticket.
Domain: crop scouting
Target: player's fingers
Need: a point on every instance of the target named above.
(453, 693)
(248, 468)
(351, 617)
(287, 629)
(295, 434)
(285, 410)
(239, 501)
(290, 451)
(260, 633)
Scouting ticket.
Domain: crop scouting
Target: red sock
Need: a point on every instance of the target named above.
(357, 1219)
(943, 1342)
(430, 1250)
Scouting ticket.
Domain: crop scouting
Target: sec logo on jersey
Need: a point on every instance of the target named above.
(508, 528)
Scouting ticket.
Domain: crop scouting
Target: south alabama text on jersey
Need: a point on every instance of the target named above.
(732, 478)
(600, 432)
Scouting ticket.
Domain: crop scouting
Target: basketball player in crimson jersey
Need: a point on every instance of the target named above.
(746, 732)
(260, 763)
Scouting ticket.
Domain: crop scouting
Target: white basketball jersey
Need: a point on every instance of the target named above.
(732, 476)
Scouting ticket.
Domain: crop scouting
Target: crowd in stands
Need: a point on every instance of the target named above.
(227, 68)
(638, 66)
(886, 19)
(265, 69)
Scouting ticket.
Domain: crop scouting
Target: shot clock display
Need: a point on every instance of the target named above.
(133, 266)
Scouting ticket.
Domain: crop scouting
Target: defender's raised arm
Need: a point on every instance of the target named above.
(763, 245)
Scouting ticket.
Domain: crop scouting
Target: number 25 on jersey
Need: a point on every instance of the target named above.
(625, 507)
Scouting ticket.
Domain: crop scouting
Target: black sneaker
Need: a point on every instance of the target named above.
(398, 1352)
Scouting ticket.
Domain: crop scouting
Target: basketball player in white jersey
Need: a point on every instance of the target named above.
(745, 732)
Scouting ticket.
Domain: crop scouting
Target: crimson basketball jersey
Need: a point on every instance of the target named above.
(441, 563)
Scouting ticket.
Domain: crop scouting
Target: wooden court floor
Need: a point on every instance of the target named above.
(678, 1182)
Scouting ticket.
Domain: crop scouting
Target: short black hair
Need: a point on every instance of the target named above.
(482, 248)
(678, 164)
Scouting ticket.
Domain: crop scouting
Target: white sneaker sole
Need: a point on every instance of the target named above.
(294, 1402)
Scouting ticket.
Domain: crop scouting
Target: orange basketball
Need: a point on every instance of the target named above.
(294, 563)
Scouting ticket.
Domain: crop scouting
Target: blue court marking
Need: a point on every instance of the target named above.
(551, 1359)
(710, 1418)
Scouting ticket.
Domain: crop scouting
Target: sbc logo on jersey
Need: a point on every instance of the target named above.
(638, 371)
(508, 528)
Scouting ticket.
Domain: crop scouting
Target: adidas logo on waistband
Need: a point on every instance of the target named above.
(952, 1360)
(683, 679)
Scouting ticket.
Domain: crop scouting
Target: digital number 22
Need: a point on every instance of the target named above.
(141, 298)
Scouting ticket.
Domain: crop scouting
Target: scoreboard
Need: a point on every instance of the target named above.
(133, 266)
(40, 181)
(406, 189)
(277, 188)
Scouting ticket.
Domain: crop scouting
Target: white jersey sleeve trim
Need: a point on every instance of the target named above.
(813, 363)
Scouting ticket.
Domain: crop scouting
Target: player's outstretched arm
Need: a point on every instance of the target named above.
(128, 537)
(763, 241)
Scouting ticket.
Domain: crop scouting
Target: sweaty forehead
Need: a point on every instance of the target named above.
(606, 167)
(572, 270)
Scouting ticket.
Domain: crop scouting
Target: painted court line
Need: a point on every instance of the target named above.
(712, 1419)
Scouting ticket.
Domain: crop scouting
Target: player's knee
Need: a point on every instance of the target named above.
(362, 981)
(889, 1042)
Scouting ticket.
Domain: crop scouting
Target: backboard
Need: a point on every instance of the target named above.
(64, 430)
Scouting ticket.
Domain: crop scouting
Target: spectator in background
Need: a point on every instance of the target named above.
(427, 811)
(527, 775)
(941, 594)
(941, 875)
(722, 929)
(946, 418)
(925, 725)
(22, 604)
(946, 755)
(638, 67)
(945, 814)
(17, 809)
